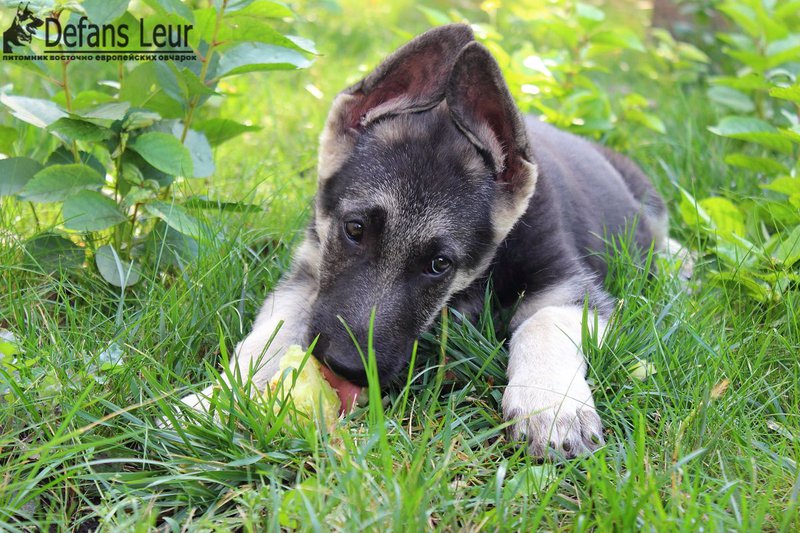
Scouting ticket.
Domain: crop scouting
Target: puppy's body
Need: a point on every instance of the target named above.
(430, 183)
(584, 195)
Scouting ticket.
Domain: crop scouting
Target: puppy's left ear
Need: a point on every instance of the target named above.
(483, 109)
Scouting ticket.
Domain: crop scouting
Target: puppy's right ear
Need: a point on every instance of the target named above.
(410, 80)
(483, 109)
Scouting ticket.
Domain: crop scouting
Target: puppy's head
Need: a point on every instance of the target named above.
(424, 168)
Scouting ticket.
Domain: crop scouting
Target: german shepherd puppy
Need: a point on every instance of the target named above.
(430, 183)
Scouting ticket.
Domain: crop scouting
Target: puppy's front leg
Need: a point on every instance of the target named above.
(284, 319)
(547, 396)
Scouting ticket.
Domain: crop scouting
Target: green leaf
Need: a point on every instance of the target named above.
(232, 5)
(778, 213)
(788, 251)
(692, 53)
(784, 185)
(565, 31)
(176, 7)
(252, 57)
(113, 269)
(138, 84)
(653, 122)
(743, 16)
(140, 118)
(787, 93)
(53, 252)
(195, 87)
(79, 130)
(244, 29)
(618, 38)
(753, 130)
(125, 18)
(726, 216)
(35, 111)
(137, 195)
(169, 247)
(8, 136)
(144, 171)
(744, 82)
(303, 44)
(172, 82)
(204, 23)
(104, 11)
(648, 120)
(764, 165)
(91, 211)
(15, 172)
(792, 133)
(588, 15)
(294, 500)
(786, 8)
(59, 182)
(754, 60)
(795, 201)
(742, 279)
(237, 207)
(165, 152)
(27, 59)
(9, 344)
(63, 156)
(176, 217)
(782, 51)
(219, 130)
(200, 151)
(731, 98)
(735, 248)
(260, 9)
(691, 211)
(105, 114)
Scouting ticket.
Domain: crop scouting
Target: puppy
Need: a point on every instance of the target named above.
(430, 183)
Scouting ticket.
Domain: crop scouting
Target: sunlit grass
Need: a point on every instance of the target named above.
(706, 438)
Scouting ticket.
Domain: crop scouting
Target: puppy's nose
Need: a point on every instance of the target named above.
(352, 373)
(340, 360)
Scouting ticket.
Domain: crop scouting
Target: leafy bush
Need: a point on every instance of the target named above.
(122, 144)
(756, 241)
(557, 57)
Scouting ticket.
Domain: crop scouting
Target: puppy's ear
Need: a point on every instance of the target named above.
(483, 109)
(412, 79)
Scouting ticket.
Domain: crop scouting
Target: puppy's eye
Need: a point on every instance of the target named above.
(439, 265)
(354, 230)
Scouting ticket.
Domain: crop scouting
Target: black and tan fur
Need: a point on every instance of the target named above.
(430, 156)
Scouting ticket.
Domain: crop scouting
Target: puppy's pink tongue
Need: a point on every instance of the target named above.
(348, 392)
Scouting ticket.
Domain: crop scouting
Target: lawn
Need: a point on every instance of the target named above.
(697, 382)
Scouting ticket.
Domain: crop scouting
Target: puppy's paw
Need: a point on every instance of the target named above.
(681, 260)
(241, 368)
(554, 425)
(200, 401)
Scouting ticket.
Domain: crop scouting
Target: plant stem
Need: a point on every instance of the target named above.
(203, 70)
(68, 100)
(133, 226)
(35, 216)
(118, 236)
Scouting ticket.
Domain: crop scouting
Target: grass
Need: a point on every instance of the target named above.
(709, 439)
